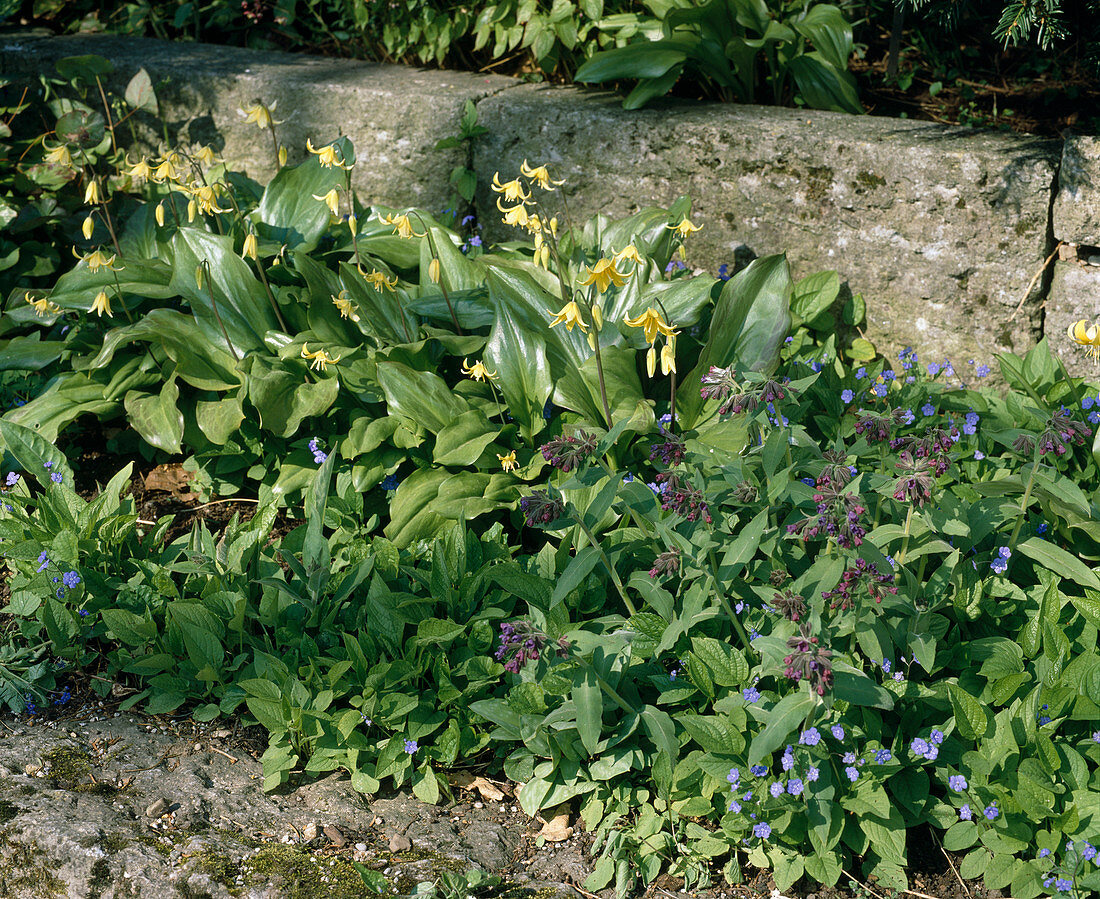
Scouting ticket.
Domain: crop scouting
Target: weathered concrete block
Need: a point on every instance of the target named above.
(1077, 204)
(941, 229)
(1074, 295)
(393, 114)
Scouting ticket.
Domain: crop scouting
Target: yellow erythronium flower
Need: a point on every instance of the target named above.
(251, 246)
(652, 323)
(59, 155)
(342, 302)
(331, 200)
(206, 156)
(603, 274)
(168, 168)
(97, 260)
(91, 192)
(685, 228)
(539, 175)
(628, 252)
(327, 156)
(433, 270)
(668, 356)
(377, 280)
(260, 115)
(1087, 336)
(319, 359)
(516, 215)
(402, 226)
(542, 251)
(159, 214)
(139, 169)
(477, 371)
(206, 198)
(569, 315)
(101, 304)
(87, 228)
(42, 306)
(512, 190)
(508, 463)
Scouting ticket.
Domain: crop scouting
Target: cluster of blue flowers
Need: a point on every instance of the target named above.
(319, 455)
(1000, 563)
(390, 482)
(927, 749)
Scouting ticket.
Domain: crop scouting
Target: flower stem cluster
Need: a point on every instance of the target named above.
(566, 453)
(721, 384)
(521, 642)
(539, 507)
(808, 661)
(839, 516)
(678, 496)
(878, 585)
(916, 481)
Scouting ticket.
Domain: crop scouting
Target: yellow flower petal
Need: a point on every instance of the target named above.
(603, 274)
(569, 315)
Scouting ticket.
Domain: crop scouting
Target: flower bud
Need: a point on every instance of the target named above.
(91, 192)
(198, 276)
(433, 270)
(597, 317)
(282, 156)
(250, 246)
(353, 224)
(87, 228)
(192, 210)
(668, 358)
(651, 361)
(160, 214)
(592, 341)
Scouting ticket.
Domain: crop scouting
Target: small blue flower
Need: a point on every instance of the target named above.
(43, 561)
(933, 369)
(1087, 402)
(776, 789)
(787, 761)
(759, 770)
(847, 396)
(849, 758)
(982, 371)
(475, 240)
(1094, 417)
(812, 774)
(12, 479)
(837, 732)
(734, 806)
(762, 831)
(724, 271)
(936, 736)
(886, 665)
(978, 455)
(965, 814)
(1063, 884)
(853, 773)
(919, 747)
(751, 695)
(83, 613)
(628, 477)
(1042, 527)
(390, 482)
(1043, 853)
(882, 756)
(794, 786)
(56, 477)
(879, 390)
(734, 776)
(907, 417)
(1089, 852)
(466, 220)
(957, 782)
(810, 737)
(861, 373)
(992, 812)
(927, 409)
(70, 579)
(888, 375)
(411, 746)
(815, 365)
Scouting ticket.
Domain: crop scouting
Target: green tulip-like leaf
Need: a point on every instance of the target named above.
(824, 87)
(463, 441)
(284, 400)
(156, 417)
(219, 419)
(289, 211)
(518, 357)
(420, 396)
(789, 713)
(35, 455)
(29, 353)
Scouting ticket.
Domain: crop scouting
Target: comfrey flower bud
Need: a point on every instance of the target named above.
(790, 605)
(521, 642)
(680, 497)
(808, 661)
(567, 453)
(669, 453)
(539, 507)
(916, 481)
(666, 563)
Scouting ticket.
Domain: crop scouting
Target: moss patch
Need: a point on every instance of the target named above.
(8, 811)
(100, 879)
(24, 867)
(66, 767)
(302, 875)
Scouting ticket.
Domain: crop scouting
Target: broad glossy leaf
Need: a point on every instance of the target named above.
(420, 396)
(29, 353)
(35, 455)
(142, 277)
(288, 212)
(518, 356)
(643, 59)
(156, 417)
(463, 441)
(219, 419)
(829, 32)
(411, 515)
(140, 93)
(284, 400)
(822, 86)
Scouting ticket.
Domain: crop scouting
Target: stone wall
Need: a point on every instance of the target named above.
(944, 231)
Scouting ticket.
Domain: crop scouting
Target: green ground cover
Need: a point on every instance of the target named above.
(682, 552)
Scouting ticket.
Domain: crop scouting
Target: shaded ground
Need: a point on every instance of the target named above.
(105, 805)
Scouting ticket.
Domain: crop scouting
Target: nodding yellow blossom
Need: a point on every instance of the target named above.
(597, 316)
(206, 199)
(101, 304)
(206, 156)
(87, 228)
(377, 280)
(251, 247)
(198, 276)
(603, 274)
(652, 323)
(328, 156)
(42, 306)
(192, 210)
(668, 356)
(260, 115)
(508, 463)
(59, 155)
(569, 315)
(331, 200)
(97, 260)
(477, 371)
(512, 190)
(539, 175)
(651, 361)
(159, 214)
(282, 156)
(685, 228)
(628, 252)
(139, 169)
(402, 226)
(342, 302)
(353, 224)
(91, 192)
(433, 270)
(168, 168)
(516, 215)
(319, 359)
(542, 251)
(1087, 336)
